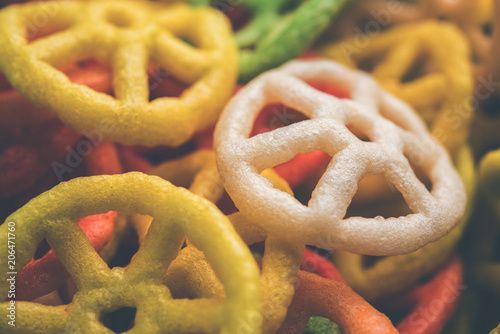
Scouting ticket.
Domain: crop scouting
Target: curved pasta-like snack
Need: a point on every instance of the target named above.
(318, 296)
(443, 290)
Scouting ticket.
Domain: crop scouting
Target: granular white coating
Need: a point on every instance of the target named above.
(397, 136)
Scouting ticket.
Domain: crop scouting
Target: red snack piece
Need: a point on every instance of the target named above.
(205, 138)
(16, 111)
(302, 167)
(92, 74)
(133, 161)
(163, 84)
(434, 302)
(31, 154)
(103, 160)
(319, 265)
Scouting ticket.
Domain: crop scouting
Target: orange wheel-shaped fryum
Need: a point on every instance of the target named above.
(128, 35)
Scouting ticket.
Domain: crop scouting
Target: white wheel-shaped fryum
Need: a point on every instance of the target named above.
(397, 137)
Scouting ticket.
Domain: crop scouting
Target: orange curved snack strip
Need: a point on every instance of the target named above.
(317, 296)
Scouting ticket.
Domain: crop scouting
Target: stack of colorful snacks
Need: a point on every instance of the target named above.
(327, 194)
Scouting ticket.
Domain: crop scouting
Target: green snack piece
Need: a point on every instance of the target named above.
(319, 325)
(276, 35)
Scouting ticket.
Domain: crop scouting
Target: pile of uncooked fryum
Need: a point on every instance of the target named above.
(250, 166)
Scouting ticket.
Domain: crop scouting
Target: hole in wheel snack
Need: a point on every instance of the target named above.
(129, 245)
(51, 299)
(418, 170)
(375, 187)
(370, 261)
(161, 83)
(377, 197)
(418, 69)
(188, 41)
(42, 249)
(370, 63)
(91, 73)
(303, 173)
(119, 321)
(358, 132)
(274, 116)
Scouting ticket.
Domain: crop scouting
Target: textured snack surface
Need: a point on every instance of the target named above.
(439, 91)
(397, 138)
(128, 35)
(101, 289)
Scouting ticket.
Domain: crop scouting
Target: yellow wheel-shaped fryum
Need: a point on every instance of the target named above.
(191, 276)
(472, 16)
(128, 35)
(425, 64)
(139, 285)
